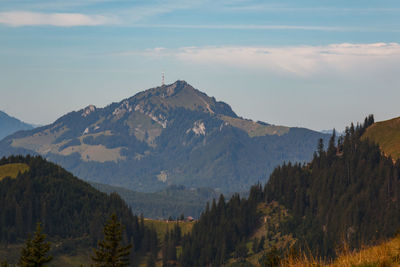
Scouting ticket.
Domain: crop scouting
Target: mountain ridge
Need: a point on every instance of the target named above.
(9, 125)
(172, 134)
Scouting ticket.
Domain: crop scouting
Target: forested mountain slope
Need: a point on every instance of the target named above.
(68, 208)
(348, 194)
(168, 135)
(170, 202)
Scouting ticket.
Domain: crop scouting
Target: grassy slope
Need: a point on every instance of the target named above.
(254, 129)
(387, 135)
(12, 170)
(386, 254)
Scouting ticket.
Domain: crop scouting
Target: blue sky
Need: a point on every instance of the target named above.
(316, 64)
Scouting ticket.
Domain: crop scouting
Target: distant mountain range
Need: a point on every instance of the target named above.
(168, 135)
(10, 125)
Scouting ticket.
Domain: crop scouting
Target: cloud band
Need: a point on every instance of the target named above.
(22, 18)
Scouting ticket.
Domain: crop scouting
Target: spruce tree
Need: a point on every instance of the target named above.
(151, 261)
(35, 251)
(110, 251)
(255, 245)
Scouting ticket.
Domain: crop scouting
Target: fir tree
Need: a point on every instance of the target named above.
(110, 251)
(261, 244)
(255, 245)
(35, 251)
(241, 251)
(151, 262)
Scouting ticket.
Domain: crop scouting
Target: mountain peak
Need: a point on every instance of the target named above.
(180, 94)
(89, 109)
(174, 88)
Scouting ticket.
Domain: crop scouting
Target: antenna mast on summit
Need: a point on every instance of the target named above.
(162, 78)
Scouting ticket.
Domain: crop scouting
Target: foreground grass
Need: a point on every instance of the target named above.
(387, 254)
(12, 170)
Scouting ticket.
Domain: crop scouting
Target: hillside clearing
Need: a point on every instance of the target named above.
(12, 170)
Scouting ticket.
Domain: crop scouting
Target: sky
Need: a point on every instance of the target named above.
(319, 64)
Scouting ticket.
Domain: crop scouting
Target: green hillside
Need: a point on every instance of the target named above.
(387, 135)
(71, 211)
(11, 170)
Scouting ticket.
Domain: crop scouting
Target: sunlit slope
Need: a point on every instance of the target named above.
(12, 170)
(387, 135)
(385, 254)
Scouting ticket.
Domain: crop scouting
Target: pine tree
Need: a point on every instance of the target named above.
(255, 245)
(35, 251)
(261, 244)
(151, 262)
(241, 251)
(110, 252)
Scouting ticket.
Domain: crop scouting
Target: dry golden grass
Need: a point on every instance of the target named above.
(386, 254)
(387, 135)
(253, 128)
(12, 170)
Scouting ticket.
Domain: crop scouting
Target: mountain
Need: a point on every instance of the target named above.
(9, 125)
(71, 211)
(387, 135)
(168, 135)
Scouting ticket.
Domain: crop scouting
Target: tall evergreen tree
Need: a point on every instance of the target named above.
(151, 261)
(34, 254)
(110, 251)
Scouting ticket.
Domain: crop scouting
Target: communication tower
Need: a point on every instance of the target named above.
(162, 79)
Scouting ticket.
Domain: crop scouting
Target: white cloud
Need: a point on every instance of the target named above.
(22, 18)
(304, 61)
(249, 27)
